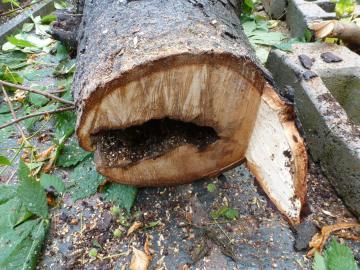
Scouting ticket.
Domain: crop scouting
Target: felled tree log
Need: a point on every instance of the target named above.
(348, 32)
(168, 92)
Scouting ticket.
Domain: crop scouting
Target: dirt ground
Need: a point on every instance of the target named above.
(177, 223)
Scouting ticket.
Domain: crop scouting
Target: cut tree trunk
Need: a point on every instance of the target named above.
(348, 32)
(168, 92)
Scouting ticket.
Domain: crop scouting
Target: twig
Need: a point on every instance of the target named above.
(19, 8)
(36, 114)
(13, 112)
(11, 177)
(18, 86)
(114, 255)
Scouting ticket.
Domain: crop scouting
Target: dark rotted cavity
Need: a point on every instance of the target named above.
(151, 139)
(329, 57)
(306, 61)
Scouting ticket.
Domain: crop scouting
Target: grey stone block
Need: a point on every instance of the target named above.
(275, 8)
(327, 107)
(40, 9)
(300, 13)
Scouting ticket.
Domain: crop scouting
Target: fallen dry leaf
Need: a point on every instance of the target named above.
(139, 260)
(19, 96)
(136, 225)
(45, 154)
(147, 245)
(318, 241)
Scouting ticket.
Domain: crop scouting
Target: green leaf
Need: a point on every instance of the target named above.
(19, 42)
(22, 246)
(31, 192)
(266, 38)
(4, 161)
(7, 75)
(27, 27)
(21, 238)
(71, 154)
(13, 60)
(47, 181)
(30, 123)
(61, 52)
(61, 4)
(65, 124)
(5, 133)
(7, 192)
(65, 67)
(219, 213)
(38, 74)
(231, 214)
(36, 99)
(211, 187)
(339, 257)
(48, 19)
(12, 2)
(121, 195)
(319, 262)
(344, 7)
(226, 212)
(85, 180)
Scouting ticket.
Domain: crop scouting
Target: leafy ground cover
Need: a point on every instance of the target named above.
(49, 183)
(39, 145)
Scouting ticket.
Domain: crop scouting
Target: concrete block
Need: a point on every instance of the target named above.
(275, 8)
(328, 109)
(40, 9)
(300, 13)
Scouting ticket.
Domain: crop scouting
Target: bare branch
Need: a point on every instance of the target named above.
(36, 114)
(43, 93)
(19, 8)
(12, 111)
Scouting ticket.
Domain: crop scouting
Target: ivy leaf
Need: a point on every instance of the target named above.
(4, 161)
(339, 257)
(121, 195)
(85, 180)
(31, 192)
(71, 154)
(47, 181)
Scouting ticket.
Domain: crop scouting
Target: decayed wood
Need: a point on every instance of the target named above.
(189, 61)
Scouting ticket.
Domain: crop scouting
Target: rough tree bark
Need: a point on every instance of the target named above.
(169, 91)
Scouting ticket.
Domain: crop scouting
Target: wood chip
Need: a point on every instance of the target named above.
(134, 227)
(318, 241)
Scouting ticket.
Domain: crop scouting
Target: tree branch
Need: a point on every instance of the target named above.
(12, 111)
(48, 95)
(36, 114)
(19, 8)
